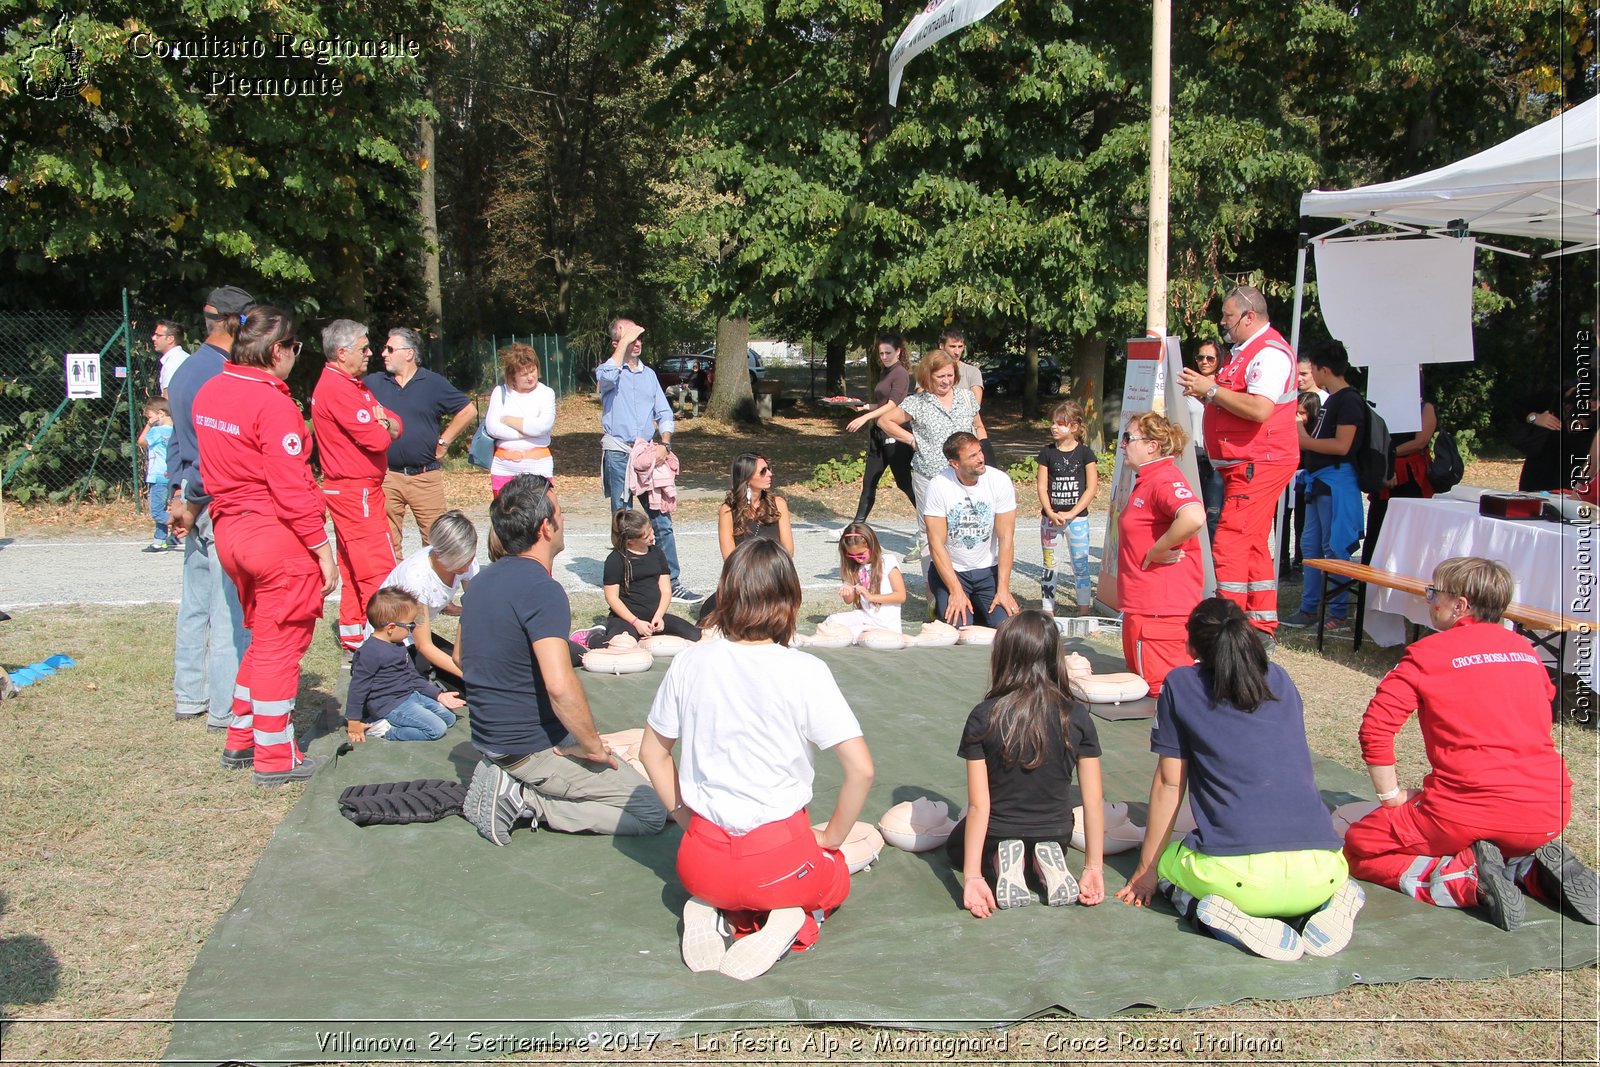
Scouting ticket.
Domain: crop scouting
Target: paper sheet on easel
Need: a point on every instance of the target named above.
(1398, 304)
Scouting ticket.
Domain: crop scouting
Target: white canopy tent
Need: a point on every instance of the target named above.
(1541, 183)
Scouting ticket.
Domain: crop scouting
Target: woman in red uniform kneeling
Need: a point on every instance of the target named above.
(1160, 578)
(1482, 829)
(751, 713)
(268, 517)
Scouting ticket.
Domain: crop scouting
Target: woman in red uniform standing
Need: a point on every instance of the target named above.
(1159, 574)
(269, 533)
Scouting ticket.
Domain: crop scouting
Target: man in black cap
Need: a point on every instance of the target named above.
(211, 633)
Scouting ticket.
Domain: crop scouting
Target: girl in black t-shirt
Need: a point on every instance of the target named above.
(638, 585)
(1021, 746)
(1066, 485)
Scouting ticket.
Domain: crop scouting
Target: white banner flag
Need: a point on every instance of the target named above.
(937, 21)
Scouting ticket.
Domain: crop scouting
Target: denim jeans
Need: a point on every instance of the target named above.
(419, 718)
(211, 636)
(1333, 528)
(158, 508)
(614, 481)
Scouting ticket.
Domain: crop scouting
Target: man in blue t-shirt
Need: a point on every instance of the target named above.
(543, 757)
(422, 399)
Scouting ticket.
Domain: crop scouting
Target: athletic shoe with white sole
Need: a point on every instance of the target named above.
(752, 956)
(1497, 893)
(705, 936)
(1060, 888)
(1565, 878)
(1010, 884)
(1331, 926)
(300, 772)
(493, 803)
(682, 594)
(1271, 939)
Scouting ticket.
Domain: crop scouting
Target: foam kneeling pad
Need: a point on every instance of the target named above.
(935, 635)
(918, 825)
(861, 847)
(1108, 688)
(976, 635)
(1347, 815)
(881, 640)
(665, 645)
(398, 803)
(613, 661)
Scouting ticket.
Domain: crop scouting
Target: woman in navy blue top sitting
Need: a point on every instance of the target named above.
(1263, 868)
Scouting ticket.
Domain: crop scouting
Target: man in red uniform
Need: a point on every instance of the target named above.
(1483, 828)
(353, 433)
(267, 513)
(1251, 440)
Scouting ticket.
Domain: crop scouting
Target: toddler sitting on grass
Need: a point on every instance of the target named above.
(387, 697)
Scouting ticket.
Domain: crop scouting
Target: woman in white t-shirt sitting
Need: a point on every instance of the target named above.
(750, 713)
(869, 579)
(436, 576)
(522, 412)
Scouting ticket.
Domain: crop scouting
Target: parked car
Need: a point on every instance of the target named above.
(1006, 376)
(752, 359)
(677, 370)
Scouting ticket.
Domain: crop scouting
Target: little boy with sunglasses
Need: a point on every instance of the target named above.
(387, 697)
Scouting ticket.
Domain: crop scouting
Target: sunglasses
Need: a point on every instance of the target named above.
(408, 627)
(1128, 439)
(293, 347)
(763, 470)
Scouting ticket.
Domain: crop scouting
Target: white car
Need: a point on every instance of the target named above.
(752, 358)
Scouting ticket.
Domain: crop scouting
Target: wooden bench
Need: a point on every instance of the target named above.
(1546, 630)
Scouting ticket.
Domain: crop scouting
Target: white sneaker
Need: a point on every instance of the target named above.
(1271, 939)
(1010, 884)
(753, 956)
(832, 536)
(705, 940)
(1331, 926)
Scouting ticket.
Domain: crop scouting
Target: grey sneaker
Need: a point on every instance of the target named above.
(1271, 939)
(705, 936)
(1331, 927)
(298, 773)
(1299, 620)
(1497, 893)
(1060, 888)
(1010, 884)
(1566, 879)
(493, 803)
(753, 956)
(682, 594)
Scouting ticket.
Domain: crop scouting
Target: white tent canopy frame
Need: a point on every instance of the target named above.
(1544, 183)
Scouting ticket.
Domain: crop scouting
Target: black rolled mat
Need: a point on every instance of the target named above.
(425, 941)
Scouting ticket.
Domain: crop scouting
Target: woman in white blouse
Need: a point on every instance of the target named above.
(522, 413)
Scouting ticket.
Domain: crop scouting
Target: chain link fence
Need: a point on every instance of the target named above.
(473, 364)
(67, 450)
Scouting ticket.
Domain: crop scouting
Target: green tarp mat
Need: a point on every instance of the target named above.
(425, 940)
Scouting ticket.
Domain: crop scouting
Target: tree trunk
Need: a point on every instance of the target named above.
(1088, 386)
(352, 283)
(835, 369)
(428, 208)
(732, 399)
(1030, 373)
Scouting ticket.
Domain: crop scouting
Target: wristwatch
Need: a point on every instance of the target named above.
(1532, 418)
(442, 441)
(1210, 395)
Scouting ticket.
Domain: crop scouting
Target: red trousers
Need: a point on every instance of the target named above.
(1407, 849)
(1247, 573)
(362, 547)
(280, 587)
(1155, 644)
(779, 865)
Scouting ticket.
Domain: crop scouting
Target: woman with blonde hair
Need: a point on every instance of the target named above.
(521, 414)
(925, 421)
(1159, 574)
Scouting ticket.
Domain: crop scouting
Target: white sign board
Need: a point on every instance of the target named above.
(83, 376)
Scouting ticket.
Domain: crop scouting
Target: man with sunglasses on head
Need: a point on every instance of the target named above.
(421, 399)
(1251, 437)
(211, 638)
(353, 434)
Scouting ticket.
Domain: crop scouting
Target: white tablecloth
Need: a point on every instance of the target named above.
(1554, 567)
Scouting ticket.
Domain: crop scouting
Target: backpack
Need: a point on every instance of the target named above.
(1374, 460)
(1446, 468)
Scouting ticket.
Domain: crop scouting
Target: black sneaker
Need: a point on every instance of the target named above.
(1299, 620)
(1565, 878)
(298, 773)
(682, 594)
(493, 803)
(1496, 891)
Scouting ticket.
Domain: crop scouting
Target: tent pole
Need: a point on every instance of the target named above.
(1299, 292)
